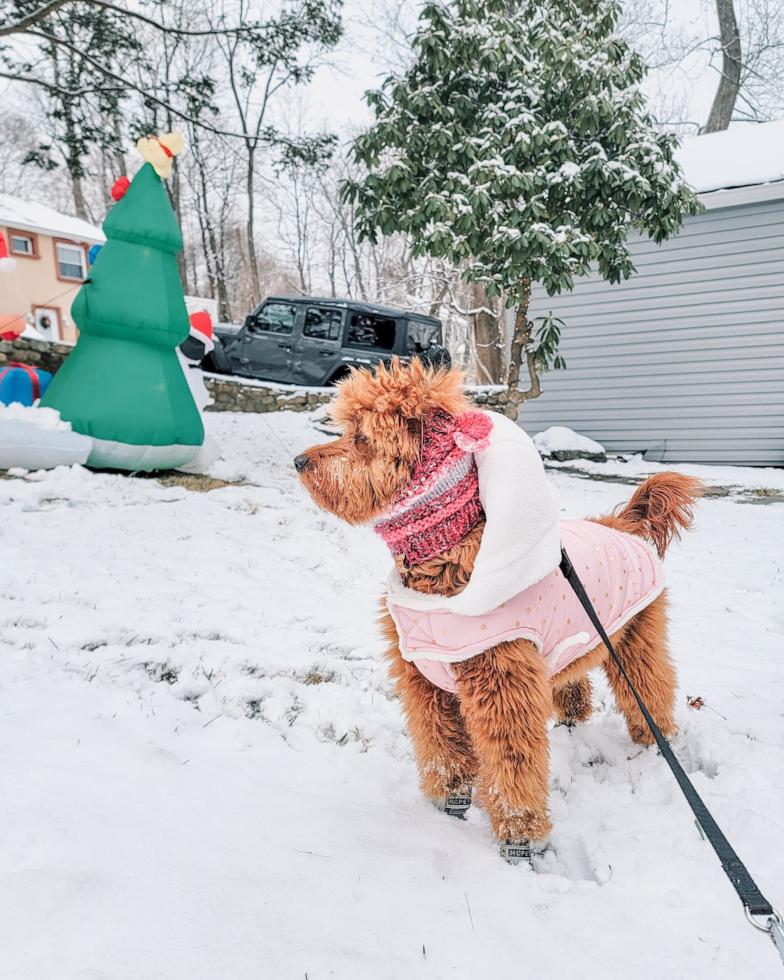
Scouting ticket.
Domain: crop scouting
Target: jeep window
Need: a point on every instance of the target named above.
(322, 322)
(366, 330)
(276, 318)
(421, 335)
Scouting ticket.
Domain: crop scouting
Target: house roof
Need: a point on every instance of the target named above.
(744, 156)
(28, 216)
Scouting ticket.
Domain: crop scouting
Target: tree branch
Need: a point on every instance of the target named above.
(21, 26)
(57, 89)
(148, 96)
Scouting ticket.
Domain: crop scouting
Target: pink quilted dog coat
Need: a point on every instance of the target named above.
(621, 576)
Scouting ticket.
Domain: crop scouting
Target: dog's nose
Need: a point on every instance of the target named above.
(300, 462)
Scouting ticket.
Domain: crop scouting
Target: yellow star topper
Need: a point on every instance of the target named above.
(160, 151)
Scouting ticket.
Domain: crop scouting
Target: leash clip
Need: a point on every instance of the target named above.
(774, 927)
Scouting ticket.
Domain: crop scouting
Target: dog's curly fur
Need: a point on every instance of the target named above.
(494, 733)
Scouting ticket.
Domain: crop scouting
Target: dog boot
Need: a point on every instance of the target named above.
(457, 803)
(517, 853)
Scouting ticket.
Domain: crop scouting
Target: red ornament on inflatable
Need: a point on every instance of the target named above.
(119, 188)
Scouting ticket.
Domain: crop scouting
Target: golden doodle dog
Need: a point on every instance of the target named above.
(486, 640)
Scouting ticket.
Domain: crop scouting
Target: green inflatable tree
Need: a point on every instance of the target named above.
(123, 384)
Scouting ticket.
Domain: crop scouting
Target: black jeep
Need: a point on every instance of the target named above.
(313, 341)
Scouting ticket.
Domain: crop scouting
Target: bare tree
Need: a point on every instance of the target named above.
(258, 68)
(729, 83)
(743, 43)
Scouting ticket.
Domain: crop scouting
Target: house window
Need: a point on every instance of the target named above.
(70, 261)
(23, 243)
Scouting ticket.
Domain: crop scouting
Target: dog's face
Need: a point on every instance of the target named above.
(380, 414)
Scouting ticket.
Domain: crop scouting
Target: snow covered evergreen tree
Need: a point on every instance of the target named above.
(519, 142)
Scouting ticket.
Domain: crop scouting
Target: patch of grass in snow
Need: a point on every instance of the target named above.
(165, 673)
(327, 733)
(317, 675)
(190, 481)
(252, 708)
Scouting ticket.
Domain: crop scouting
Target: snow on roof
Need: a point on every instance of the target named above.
(738, 157)
(27, 216)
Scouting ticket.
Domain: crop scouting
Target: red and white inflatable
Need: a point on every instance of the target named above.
(190, 352)
(7, 264)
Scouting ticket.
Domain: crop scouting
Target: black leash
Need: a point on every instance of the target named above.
(754, 902)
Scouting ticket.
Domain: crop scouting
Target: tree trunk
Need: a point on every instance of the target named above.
(254, 269)
(173, 190)
(73, 162)
(729, 84)
(487, 336)
(522, 344)
(119, 156)
(78, 193)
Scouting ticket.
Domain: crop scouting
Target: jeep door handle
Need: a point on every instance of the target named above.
(326, 353)
(285, 347)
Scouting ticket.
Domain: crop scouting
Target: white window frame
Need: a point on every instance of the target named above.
(24, 236)
(77, 248)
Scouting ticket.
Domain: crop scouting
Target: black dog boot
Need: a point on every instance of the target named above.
(517, 853)
(457, 803)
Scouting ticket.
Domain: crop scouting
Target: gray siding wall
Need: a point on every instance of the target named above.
(685, 361)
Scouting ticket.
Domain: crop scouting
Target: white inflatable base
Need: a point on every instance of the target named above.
(208, 454)
(30, 447)
(109, 455)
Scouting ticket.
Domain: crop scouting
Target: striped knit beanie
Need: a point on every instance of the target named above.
(441, 503)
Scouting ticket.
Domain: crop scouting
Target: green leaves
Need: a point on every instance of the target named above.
(546, 341)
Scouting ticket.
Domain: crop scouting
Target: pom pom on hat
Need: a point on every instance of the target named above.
(474, 431)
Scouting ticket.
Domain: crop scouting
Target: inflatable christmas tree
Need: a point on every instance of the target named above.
(123, 385)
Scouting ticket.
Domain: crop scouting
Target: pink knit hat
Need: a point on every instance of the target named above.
(441, 503)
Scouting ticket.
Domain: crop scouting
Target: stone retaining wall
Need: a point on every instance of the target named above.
(37, 353)
(233, 394)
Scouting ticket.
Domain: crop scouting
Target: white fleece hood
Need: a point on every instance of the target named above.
(521, 543)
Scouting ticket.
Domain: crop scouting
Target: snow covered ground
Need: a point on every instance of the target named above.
(204, 777)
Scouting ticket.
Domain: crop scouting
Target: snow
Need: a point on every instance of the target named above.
(737, 157)
(560, 438)
(204, 774)
(637, 468)
(30, 216)
(41, 418)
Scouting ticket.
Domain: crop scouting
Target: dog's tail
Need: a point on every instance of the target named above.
(660, 508)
